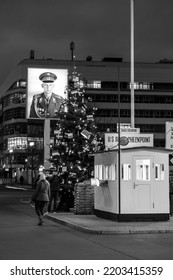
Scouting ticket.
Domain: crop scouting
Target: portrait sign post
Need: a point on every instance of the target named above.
(46, 91)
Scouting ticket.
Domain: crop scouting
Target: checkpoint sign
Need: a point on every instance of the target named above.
(133, 140)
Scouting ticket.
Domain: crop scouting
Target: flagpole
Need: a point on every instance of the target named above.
(132, 60)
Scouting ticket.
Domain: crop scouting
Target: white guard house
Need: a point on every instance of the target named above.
(140, 193)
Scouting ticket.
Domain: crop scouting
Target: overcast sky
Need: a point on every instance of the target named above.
(100, 28)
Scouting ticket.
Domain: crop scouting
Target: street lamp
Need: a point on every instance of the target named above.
(31, 144)
(11, 173)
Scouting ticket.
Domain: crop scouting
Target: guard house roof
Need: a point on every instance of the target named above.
(156, 149)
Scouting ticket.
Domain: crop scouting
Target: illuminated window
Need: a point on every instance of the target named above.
(17, 143)
(99, 172)
(141, 86)
(159, 172)
(105, 172)
(96, 172)
(17, 84)
(94, 84)
(126, 171)
(110, 172)
(143, 170)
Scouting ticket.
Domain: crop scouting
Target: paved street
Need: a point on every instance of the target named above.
(21, 237)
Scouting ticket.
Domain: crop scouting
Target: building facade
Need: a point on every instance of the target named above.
(153, 104)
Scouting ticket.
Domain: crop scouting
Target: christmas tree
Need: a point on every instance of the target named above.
(77, 136)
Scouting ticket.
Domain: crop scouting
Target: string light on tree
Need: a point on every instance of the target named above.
(76, 134)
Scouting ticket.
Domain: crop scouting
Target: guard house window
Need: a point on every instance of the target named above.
(159, 172)
(126, 171)
(99, 171)
(143, 170)
(110, 172)
(105, 172)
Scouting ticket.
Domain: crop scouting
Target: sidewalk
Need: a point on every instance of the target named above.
(95, 225)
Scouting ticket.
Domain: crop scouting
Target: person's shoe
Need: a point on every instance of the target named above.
(40, 221)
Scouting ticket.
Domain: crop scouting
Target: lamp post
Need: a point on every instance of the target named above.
(11, 167)
(119, 150)
(72, 46)
(132, 60)
(26, 169)
(31, 144)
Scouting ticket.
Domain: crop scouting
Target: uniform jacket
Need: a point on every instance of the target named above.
(42, 191)
(40, 108)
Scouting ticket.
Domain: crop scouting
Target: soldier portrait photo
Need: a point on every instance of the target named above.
(47, 103)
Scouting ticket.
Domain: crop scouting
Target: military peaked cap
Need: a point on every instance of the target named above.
(47, 77)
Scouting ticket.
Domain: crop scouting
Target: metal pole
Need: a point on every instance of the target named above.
(132, 60)
(72, 46)
(32, 169)
(11, 172)
(11, 167)
(31, 144)
(119, 150)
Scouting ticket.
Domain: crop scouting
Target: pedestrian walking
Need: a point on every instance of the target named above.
(54, 196)
(41, 197)
(21, 180)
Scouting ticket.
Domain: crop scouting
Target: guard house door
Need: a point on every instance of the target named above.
(142, 187)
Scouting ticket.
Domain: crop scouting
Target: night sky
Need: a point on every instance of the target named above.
(99, 28)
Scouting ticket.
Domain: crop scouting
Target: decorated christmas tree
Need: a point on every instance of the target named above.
(77, 136)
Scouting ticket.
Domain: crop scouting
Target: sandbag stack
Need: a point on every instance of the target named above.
(83, 198)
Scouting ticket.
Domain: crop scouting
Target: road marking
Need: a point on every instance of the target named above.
(15, 188)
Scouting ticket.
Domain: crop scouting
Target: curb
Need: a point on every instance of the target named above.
(71, 225)
(106, 232)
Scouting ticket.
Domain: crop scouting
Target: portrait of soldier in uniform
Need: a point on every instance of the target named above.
(46, 104)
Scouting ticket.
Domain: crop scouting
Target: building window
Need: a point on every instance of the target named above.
(18, 84)
(17, 143)
(19, 128)
(15, 98)
(14, 114)
(141, 86)
(94, 84)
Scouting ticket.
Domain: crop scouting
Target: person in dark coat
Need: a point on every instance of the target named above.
(41, 197)
(54, 196)
(21, 180)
